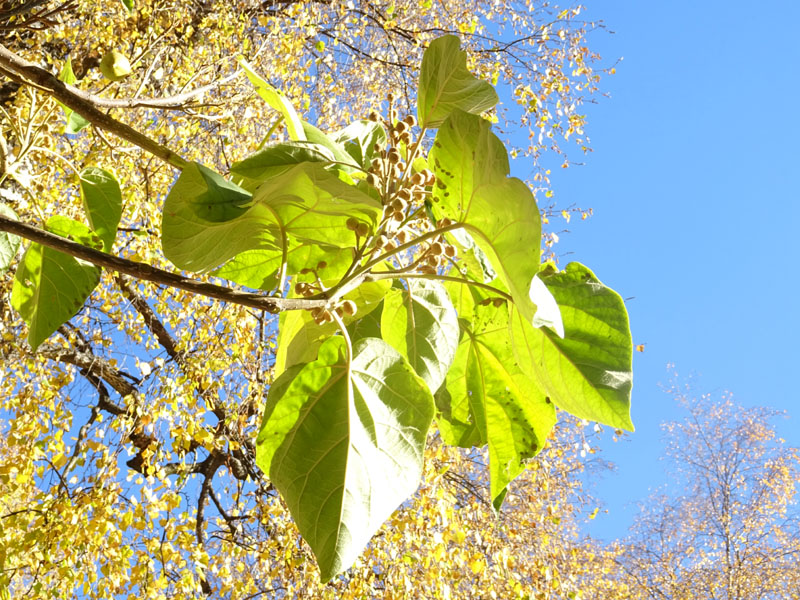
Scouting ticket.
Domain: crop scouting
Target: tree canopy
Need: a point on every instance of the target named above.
(402, 258)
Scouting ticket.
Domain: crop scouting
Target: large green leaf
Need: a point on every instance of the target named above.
(360, 138)
(9, 244)
(75, 122)
(445, 84)
(344, 443)
(208, 220)
(498, 211)
(276, 100)
(50, 286)
(102, 200)
(587, 373)
(421, 323)
(276, 159)
(487, 398)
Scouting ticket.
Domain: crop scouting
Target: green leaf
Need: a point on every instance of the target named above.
(75, 122)
(9, 244)
(359, 140)
(487, 398)
(50, 286)
(129, 4)
(299, 336)
(102, 201)
(343, 443)
(276, 100)
(499, 212)
(318, 136)
(588, 373)
(275, 160)
(422, 325)
(445, 84)
(208, 220)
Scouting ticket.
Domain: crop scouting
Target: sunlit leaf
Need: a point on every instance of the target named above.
(275, 160)
(488, 399)
(276, 100)
(306, 204)
(50, 286)
(587, 373)
(343, 443)
(446, 85)
(498, 211)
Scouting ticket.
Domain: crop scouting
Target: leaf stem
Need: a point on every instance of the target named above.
(30, 74)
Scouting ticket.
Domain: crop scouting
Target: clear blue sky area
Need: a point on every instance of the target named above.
(693, 182)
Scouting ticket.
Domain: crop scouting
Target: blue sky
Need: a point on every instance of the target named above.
(692, 182)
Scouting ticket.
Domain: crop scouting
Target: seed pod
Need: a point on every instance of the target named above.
(417, 179)
(404, 194)
(401, 237)
(393, 156)
(372, 180)
(373, 116)
(376, 164)
(400, 128)
(398, 216)
(428, 270)
(410, 120)
(405, 138)
(397, 204)
(390, 97)
(437, 249)
(362, 230)
(349, 307)
(432, 260)
(450, 251)
(351, 223)
(300, 288)
(321, 265)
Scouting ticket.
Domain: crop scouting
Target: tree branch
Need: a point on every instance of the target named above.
(31, 74)
(149, 273)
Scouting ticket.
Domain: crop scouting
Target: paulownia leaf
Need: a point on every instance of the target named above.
(50, 286)
(276, 100)
(102, 201)
(487, 398)
(276, 159)
(445, 84)
(208, 220)
(9, 244)
(498, 211)
(75, 122)
(421, 323)
(343, 443)
(588, 373)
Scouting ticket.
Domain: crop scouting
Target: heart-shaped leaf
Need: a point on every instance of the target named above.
(343, 442)
(445, 84)
(588, 373)
(306, 204)
(50, 286)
